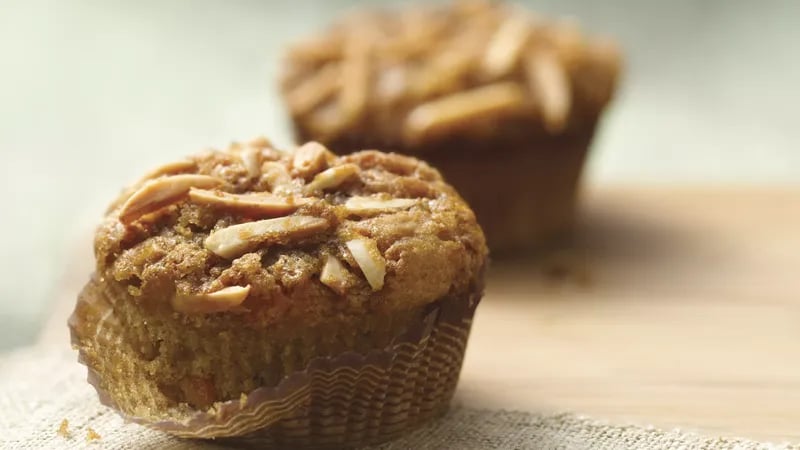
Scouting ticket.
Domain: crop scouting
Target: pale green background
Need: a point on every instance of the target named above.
(92, 93)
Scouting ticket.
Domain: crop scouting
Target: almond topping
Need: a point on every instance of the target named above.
(332, 177)
(310, 158)
(444, 71)
(261, 202)
(459, 111)
(171, 169)
(278, 177)
(506, 46)
(251, 159)
(373, 205)
(239, 239)
(335, 275)
(355, 80)
(549, 83)
(317, 49)
(314, 90)
(260, 142)
(369, 259)
(160, 192)
(219, 301)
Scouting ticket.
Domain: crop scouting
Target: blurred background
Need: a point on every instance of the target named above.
(93, 93)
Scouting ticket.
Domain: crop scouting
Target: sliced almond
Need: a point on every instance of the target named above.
(172, 168)
(549, 82)
(160, 192)
(278, 177)
(369, 259)
(219, 301)
(239, 239)
(335, 275)
(261, 202)
(355, 79)
(326, 121)
(439, 76)
(365, 206)
(314, 90)
(317, 49)
(391, 84)
(310, 158)
(260, 142)
(332, 177)
(251, 160)
(459, 111)
(505, 47)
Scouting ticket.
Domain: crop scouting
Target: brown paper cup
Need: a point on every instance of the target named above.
(347, 400)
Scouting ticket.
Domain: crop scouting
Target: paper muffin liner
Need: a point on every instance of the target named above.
(346, 400)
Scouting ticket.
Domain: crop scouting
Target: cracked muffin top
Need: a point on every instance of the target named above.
(269, 235)
(416, 75)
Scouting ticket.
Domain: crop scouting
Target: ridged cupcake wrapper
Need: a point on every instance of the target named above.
(350, 399)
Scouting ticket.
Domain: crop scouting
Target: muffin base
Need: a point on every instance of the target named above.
(345, 400)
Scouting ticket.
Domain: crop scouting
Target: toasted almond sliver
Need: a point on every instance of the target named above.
(445, 70)
(262, 202)
(391, 84)
(160, 192)
(549, 83)
(354, 80)
(373, 205)
(219, 301)
(260, 142)
(457, 111)
(334, 275)
(326, 121)
(314, 90)
(172, 168)
(332, 177)
(369, 259)
(317, 49)
(506, 46)
(251, 159)
(278, 177)
(310, 158)
(238, 239)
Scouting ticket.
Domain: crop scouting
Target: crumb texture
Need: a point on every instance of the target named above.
(417, 75)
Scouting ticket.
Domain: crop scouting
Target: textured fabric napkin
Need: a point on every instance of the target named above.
(42, 386)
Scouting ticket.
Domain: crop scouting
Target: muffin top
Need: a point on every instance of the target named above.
(271, 235)
(418, 75)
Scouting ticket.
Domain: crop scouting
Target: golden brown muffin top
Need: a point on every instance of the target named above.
(417, 75)
(268, 235)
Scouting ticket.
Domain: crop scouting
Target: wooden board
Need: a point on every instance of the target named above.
(674, 307)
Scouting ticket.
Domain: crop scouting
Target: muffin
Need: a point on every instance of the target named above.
(502, 102)
(284, 298)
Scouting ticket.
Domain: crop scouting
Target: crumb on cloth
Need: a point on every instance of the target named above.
(91, 435)
(63, 429)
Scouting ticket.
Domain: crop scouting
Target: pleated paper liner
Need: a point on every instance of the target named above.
(346, 400)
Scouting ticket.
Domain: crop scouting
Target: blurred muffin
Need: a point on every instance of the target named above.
(501, 101)
(297, 299)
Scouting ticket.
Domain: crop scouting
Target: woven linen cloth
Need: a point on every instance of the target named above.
(41, 386)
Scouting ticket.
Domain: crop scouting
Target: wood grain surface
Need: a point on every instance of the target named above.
(672, 307)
